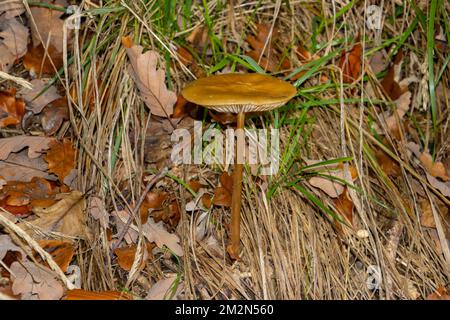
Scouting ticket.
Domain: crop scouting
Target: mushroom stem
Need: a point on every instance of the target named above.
(235, 228)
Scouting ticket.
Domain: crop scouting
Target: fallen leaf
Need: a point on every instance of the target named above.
(350, 62)
(19, 167)
(169, 215)
(35, 282)
(153, 200)
(47, 25)
(444, 188)
(79, 294)
(379, 61)
(344, 205)
(13, 43)
(53, 116)
(11, 109)
(60, 158)
(36, 102)
(188, 60)
(199, 38)
(97, 210)
(61, 251)
(150, 80)
(155, 232)
(40, 61)
(126, 256)
(162, 290)
(222, 197)
(387, 164)
(439, 294)
(35, 145)
(436, 169)
(332, 188)
(6, 245)
(226, 181)
(390, 83)
(66, 216)
(11, 8)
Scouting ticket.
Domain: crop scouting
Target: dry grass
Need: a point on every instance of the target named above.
(291, 249)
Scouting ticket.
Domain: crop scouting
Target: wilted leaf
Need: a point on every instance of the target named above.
(436, 169)
(439, 294)
(19, 167)
(97, 210)
(153, 200)
(79, 294)
(126, 256)
(332, 187)
(6, 245)
(226, 181)
(350, 62)
(11, 109)
(66, 216)
(11, 8)
(36, 102)
(40, 61)
(169, 215)
(120, 218)
(48, 25)
(13, 42)
(155, 232)
(387, 164)
(389, 82)
(379, 62)
(53, 115)
(344, 205)
(35, 145)
(162, 290)
(61, 251)
(150, 80)
(198, 38)
(35, 282)
(61, 159)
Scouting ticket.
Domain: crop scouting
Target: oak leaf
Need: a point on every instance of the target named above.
(155, 232)
(350, 62)
(126, 256)
(67, 216)
(34, 282)
(47, 25)
(19, 167)
(39, 60)
(162, 290)
(35, 145)
(53, 115)
(12, 109)
(13, 43)
(150, 80)
(61, 159)
(79, 294)
(97, 210)
(61, 251)
(6, 244)
(33, 97)
(11, 8)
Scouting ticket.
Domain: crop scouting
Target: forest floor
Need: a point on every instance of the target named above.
(360, 205)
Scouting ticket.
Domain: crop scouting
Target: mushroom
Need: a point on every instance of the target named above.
(238, 93)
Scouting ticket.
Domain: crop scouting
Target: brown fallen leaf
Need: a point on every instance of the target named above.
(53, 116)
(34, 282)
(440, 294)
(61, 251)
(379, 61)
(332, 188)
(155, 232)
(120, 219)
(226, 180)
(61, 159)
(39, 61)
(13, 43)
(36, 102)
(47, 25)
(79, 294)
(6, 244)
(11, 108)
(153, 200)
(161, 290)
(387, 164)
(389, 82)
(67, 216)
(222, 197)
(19, 167)
(350, 62)
(436, 169)
(97, 210)
(149, 79)
(199, 38)
(188, 60)
(35, 145)
(11, 8)
(344, 205)
(126, 256)
(170, 215)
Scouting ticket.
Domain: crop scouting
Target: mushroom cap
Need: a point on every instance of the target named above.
(239, 92)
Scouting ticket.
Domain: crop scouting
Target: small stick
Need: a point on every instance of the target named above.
(150, 185)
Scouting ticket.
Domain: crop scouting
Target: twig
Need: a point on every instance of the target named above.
(150, 185)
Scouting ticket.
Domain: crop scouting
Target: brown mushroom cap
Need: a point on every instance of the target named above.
(239, 92)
